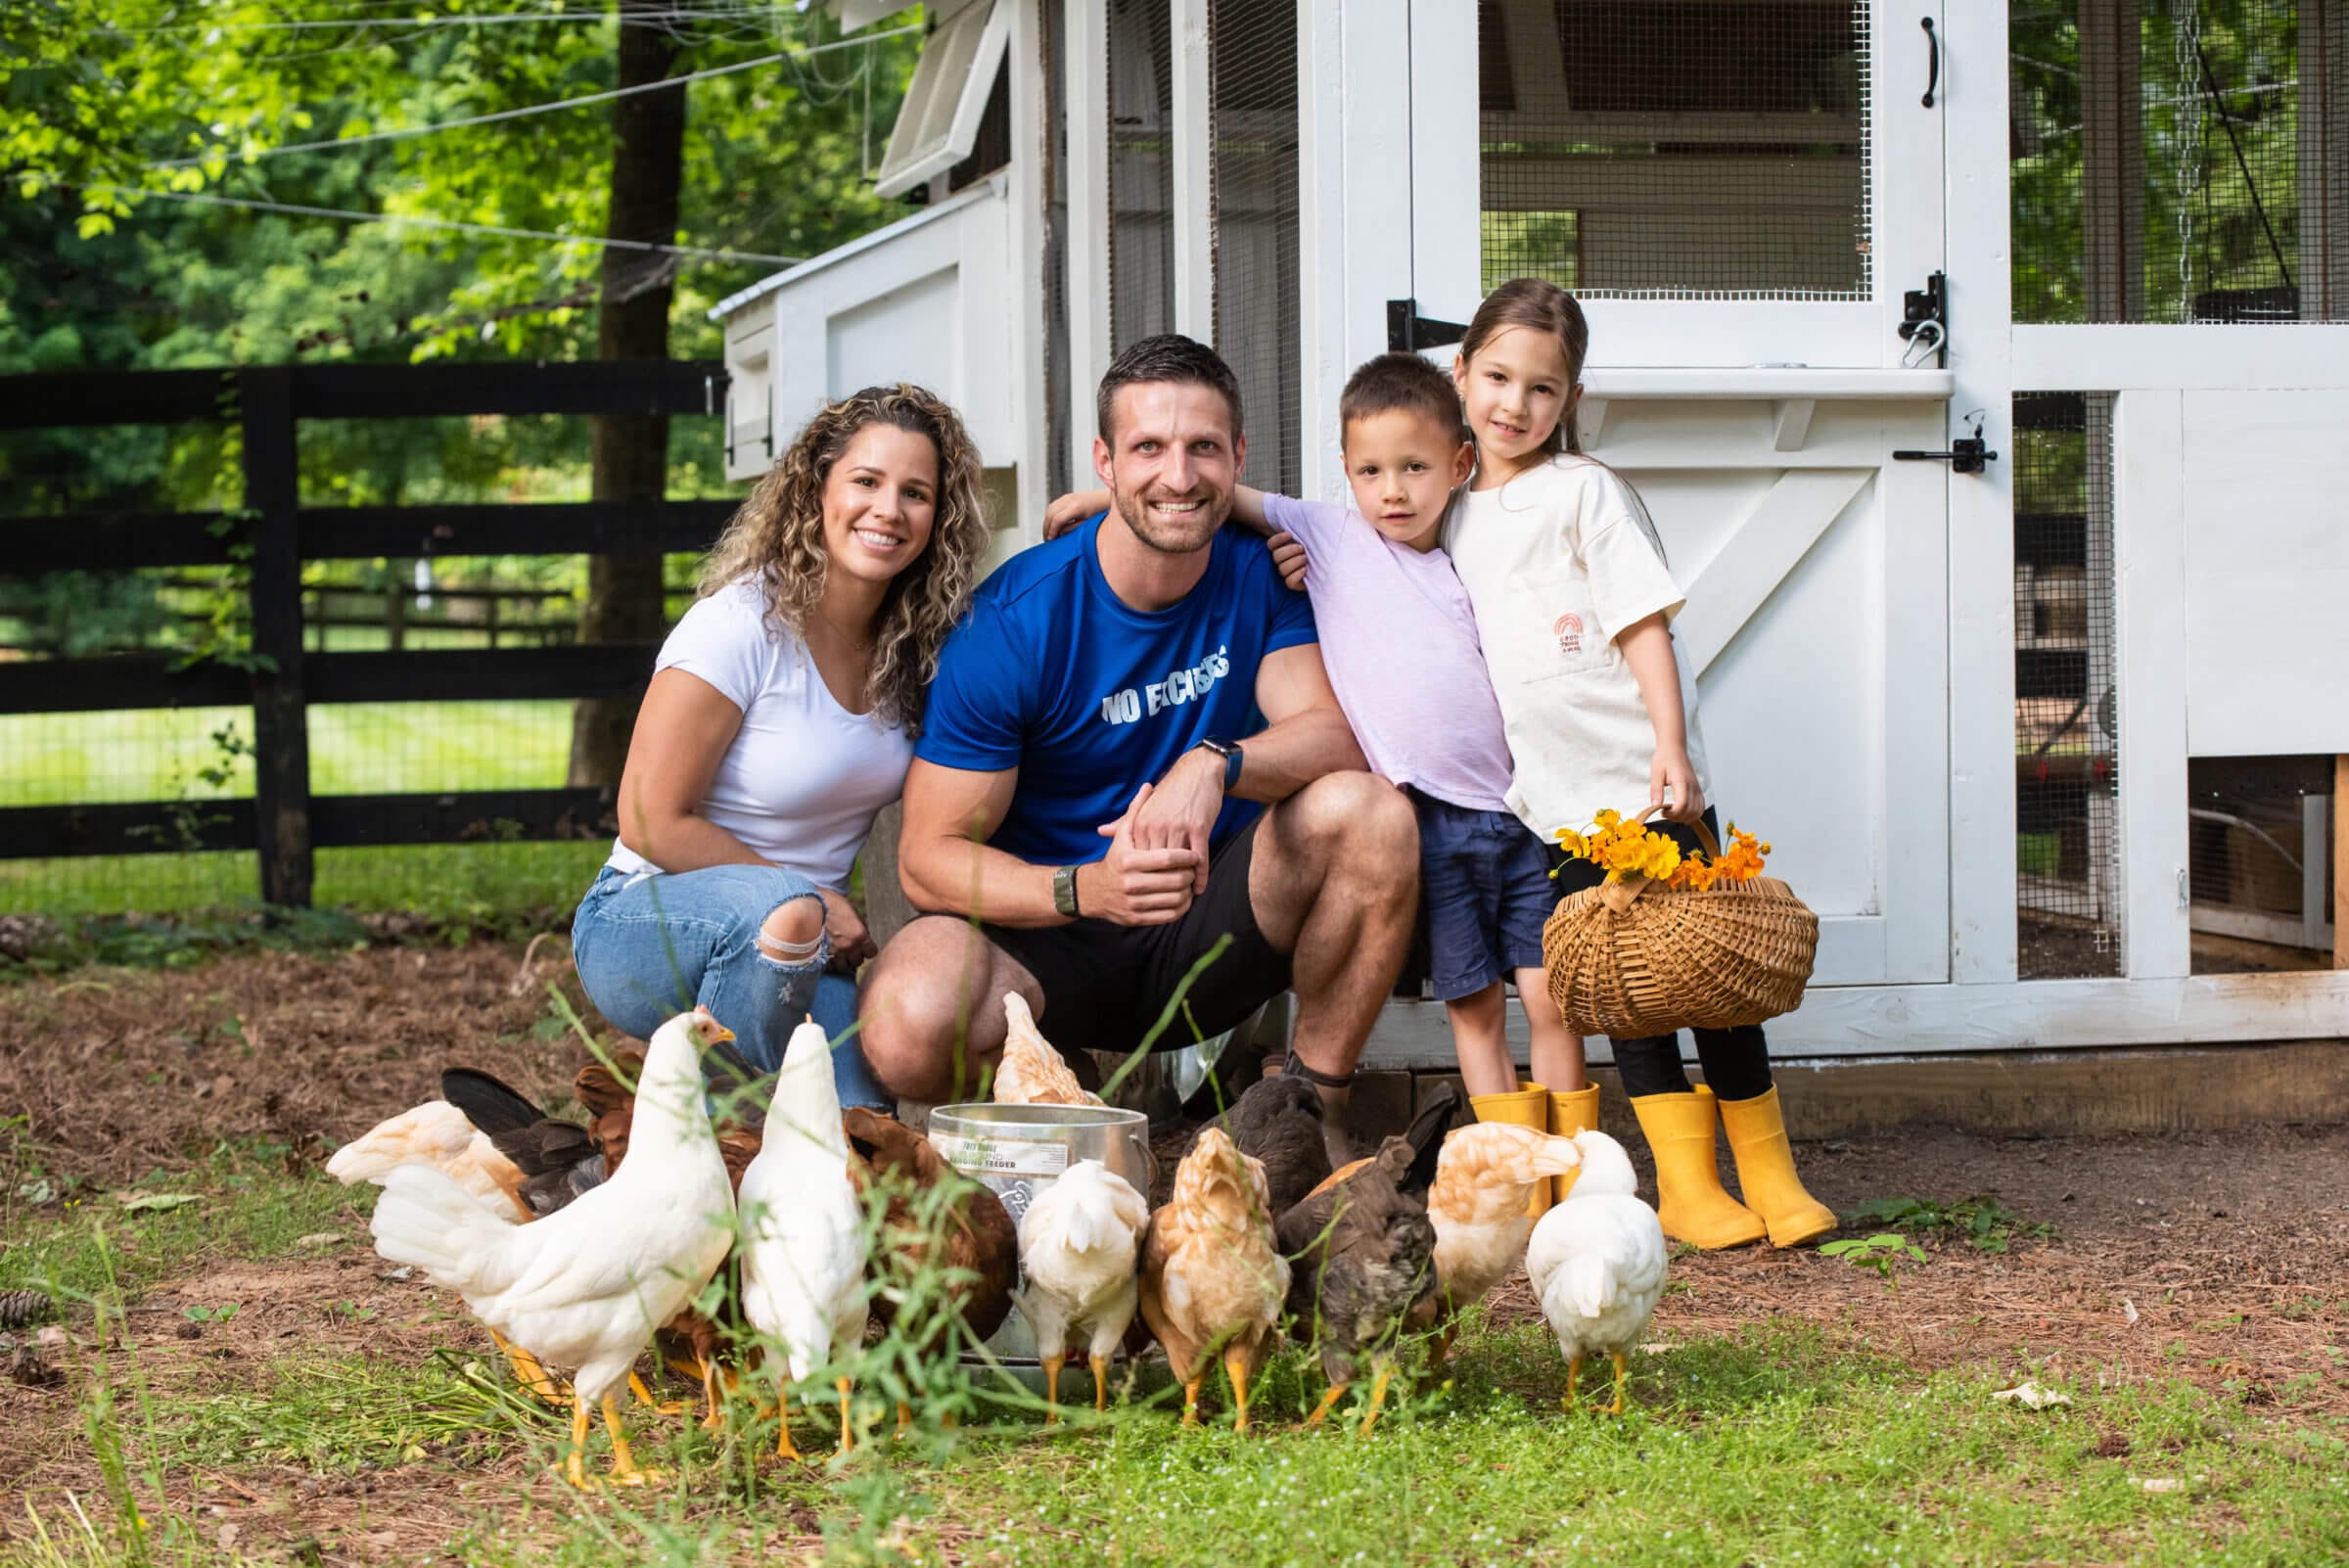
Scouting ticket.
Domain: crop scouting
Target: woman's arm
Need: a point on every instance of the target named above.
(1646, 645)
(683, 733)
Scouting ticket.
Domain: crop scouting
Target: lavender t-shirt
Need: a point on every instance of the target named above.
(1398, 638)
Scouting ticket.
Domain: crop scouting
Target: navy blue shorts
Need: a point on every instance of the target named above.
(1485, 879)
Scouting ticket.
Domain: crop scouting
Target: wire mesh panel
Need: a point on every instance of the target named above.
(2260, 859)
(1058, 467)
(2067, 850)
(2180, 161)
(1677, 148)
(1253, 129)
(1141, 170)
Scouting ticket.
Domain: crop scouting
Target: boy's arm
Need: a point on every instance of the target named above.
(1646, 645)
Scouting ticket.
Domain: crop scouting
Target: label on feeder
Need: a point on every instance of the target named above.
(1001, 1157)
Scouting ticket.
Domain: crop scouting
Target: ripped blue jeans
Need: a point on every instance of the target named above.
(652, 947)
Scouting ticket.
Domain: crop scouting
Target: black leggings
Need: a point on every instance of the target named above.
(1736, 1061)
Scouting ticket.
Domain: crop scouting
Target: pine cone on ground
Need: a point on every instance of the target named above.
(21, 1306)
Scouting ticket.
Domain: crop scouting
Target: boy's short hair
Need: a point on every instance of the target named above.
(1167, 357)
(1402, 382)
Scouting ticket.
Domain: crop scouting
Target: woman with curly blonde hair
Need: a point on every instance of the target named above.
(780, 721)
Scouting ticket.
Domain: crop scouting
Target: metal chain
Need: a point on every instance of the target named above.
(2186, 52)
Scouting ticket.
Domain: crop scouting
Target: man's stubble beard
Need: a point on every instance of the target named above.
(1134, 512)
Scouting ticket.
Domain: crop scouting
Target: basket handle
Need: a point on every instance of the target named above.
(1619, 896)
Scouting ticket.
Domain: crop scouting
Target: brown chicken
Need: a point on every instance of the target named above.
(1213, 1279)
(1031, 1072)
(1484, 1174)
(1362, 1272)
(982, 1246)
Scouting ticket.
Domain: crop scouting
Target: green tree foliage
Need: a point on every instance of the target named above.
(117, 256)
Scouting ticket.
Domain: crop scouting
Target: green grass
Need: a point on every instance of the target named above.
(1771, 1445)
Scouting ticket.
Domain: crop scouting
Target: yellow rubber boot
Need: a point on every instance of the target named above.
(1528, 1106)
(1765, 1171)
(1690, 1199)
(1571, 1111)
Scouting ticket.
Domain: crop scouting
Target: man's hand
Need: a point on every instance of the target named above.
(1288, 559)
(1672, 784)
(852, 943)
(1137, 886)
(1066, 511)
(1181, 812)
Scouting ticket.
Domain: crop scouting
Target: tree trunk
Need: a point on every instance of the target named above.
(630, 453)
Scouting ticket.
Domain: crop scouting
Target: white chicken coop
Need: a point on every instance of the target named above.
(2047, 732)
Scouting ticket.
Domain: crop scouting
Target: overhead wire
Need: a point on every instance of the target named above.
(341, 142)
(497, 230)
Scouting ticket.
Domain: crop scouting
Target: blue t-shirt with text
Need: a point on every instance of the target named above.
(1091, 699)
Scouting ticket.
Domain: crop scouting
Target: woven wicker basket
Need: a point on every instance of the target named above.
(1635, 958)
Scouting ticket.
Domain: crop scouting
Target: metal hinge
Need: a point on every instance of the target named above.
(1409, 332)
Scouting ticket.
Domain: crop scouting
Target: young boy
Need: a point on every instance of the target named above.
(1400, 642)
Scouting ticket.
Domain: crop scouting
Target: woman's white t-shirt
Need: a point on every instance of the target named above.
(805, 777)
(1557, 562)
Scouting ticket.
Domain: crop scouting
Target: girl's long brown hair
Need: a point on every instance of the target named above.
(778, 537)
(1542, 306)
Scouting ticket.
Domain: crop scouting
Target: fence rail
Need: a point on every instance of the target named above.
(283, 821)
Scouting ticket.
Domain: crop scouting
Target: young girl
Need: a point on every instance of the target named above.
(1573, 601)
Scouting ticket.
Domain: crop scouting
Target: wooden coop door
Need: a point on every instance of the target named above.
(1721, 182)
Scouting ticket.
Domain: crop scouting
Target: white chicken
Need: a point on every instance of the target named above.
(1031, 1071)
(585, 1286)
(1598, 1259)
(804, 1242)
(1078, 1244)
(434, 1133)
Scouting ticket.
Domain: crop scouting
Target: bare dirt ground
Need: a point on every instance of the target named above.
(2221, 1259)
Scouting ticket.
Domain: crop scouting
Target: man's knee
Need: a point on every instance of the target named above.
(911, 1013)
(1361, 824)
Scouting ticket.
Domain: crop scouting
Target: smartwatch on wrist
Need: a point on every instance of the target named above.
(1064, 891)
(1229, 751)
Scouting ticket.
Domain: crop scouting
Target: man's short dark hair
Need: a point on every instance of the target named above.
(1167, 356)
(1405, 381)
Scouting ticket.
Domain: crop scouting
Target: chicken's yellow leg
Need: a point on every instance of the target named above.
(1236, 1368)
(574, 1469)
(1100, 1382)
(713, 1416)
(624, 1472)
(848, 1438)
(1574, 1377)
(905, 1417)
(534, 1377)
(644, 1397)
(1190, 1398)
(1378, 1398)
(1329, 1402)
(1622, 1366)
(1052, 1366)
(785, 1448)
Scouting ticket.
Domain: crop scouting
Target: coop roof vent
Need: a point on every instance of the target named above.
(938, 123)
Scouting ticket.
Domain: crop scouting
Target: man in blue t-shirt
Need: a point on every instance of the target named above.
(1129, 751)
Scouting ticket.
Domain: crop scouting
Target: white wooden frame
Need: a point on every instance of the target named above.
(939, 85)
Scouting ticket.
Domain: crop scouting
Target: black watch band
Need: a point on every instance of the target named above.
(1234, 760)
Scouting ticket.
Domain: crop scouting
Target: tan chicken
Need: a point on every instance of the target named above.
(434, 1133)
(1484, 1174)
(1213, 1279)
(1031, 1071)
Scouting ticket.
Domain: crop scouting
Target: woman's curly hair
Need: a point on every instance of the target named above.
(778, 537)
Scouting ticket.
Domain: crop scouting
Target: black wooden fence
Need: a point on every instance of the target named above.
(274, 533)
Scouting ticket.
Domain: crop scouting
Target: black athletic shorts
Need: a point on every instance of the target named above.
(1105, 985)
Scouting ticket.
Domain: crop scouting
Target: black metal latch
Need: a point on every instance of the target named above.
(1967, 454)
(1925, 323)
(1409, 332)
